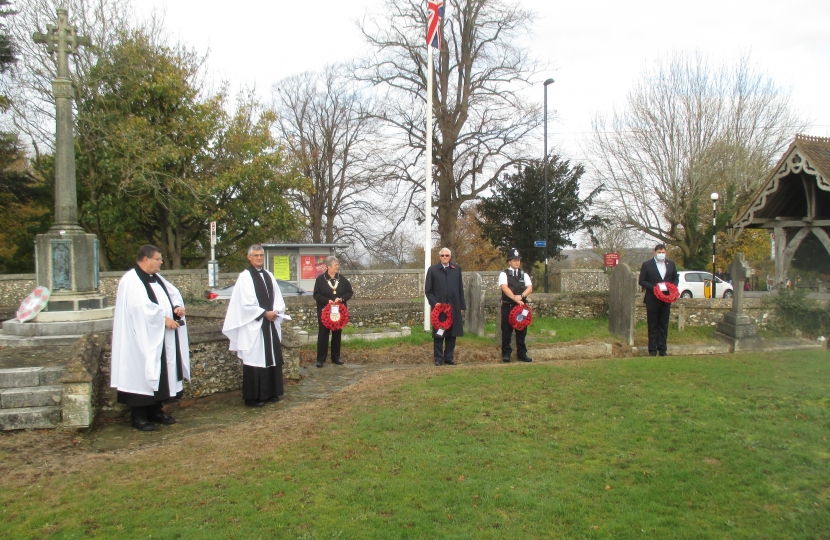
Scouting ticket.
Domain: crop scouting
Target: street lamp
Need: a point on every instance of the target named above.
(714, 197)
(545, 167)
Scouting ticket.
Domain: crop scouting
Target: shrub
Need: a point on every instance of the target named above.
(795, 311)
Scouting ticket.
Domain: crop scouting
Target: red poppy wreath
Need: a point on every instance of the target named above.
(670, 296)
(518, 319)
(335, 322)
(438, 311)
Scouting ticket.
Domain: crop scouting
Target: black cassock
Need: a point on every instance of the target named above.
(262, 384)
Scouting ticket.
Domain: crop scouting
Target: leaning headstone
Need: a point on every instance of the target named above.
(621, 313)
(474, 295)
(736, 328)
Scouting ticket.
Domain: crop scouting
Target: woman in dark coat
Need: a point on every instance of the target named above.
(330, 288)
(445, 286)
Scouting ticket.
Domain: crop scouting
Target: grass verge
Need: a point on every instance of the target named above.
(713, 447)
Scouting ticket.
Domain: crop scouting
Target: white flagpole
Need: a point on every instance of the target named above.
(428, 188)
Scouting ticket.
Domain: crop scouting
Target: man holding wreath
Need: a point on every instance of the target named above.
(515, 287)
(444, 286)
(658, 271)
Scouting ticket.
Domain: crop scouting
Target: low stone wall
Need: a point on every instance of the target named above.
(579, 280)
(367, 284)
(213, 368)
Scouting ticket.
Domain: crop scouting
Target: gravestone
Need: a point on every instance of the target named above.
(736, 328)
(474, 295)
(621, 299)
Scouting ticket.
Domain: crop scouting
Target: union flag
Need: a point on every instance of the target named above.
(435, 10)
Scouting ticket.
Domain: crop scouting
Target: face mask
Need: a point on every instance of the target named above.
(661, 257)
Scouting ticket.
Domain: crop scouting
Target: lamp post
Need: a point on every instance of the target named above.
(714, 197)
(545, 168)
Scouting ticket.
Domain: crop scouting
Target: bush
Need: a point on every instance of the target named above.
(794, 311)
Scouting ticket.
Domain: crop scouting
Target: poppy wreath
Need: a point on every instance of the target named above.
(339, 322)
(670, 296)
(437, 311)
(517, 320)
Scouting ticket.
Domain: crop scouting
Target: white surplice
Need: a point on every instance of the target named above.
(241, 324)
(138, 334)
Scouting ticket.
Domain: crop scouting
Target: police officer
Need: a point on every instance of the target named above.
(515, 287)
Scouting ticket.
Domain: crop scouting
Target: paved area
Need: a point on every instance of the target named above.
(218, 411)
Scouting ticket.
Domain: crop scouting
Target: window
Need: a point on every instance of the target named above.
(693, 278)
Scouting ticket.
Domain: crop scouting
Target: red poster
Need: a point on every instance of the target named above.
(312, 266)
(612, 259)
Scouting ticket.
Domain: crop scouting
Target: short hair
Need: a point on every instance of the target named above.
(146, 252)
(448, 250)
(330, 260)
(255, 248)
(660, 246)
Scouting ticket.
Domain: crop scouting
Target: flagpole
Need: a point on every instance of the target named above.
(428, 187)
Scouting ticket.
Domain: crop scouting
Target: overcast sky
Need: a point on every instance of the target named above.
(597, 50)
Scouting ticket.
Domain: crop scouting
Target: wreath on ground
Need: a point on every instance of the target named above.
(519, 320)
(441, 310)
(33, 304)
(335, 322)
(670, 296)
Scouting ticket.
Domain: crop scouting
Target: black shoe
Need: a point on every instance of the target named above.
(664, 353)
(339, 362)
(525, 359)
(254, 403)
(439, 362)
(652, 354)
(505, 358)
(161, 418)
(273, 398)
(319, 363)
(142, 424)
(449, 361)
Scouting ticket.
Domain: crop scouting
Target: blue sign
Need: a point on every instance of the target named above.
(540, 243)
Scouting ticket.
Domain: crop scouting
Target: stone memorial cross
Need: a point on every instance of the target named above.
(62, 40)
(739, 270)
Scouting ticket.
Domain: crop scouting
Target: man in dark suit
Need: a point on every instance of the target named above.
(654, 271)
(444, 286)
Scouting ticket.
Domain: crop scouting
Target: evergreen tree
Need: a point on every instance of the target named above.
(514, 216)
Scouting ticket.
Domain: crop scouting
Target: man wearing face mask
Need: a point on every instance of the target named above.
(654, 271)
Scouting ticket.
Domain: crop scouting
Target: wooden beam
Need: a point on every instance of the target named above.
(801, 223)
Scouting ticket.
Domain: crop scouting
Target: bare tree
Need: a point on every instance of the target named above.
(481, 121)
(29, 86)
(327, 125)
(689, 130)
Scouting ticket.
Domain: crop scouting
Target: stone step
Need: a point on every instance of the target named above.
(7, 340)
(31, 396)
(30, 418)
(30, 376)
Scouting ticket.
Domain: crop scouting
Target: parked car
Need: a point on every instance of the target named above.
(691, 285)
(224, 293)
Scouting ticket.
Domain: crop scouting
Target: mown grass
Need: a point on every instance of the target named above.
(713, 447)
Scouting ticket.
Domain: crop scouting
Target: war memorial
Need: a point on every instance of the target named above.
(55, 386)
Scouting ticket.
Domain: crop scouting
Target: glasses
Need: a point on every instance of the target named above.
(159, 259)
(444, 255)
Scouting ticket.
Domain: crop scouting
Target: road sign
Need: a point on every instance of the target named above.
(212, 233)
(540, 243)
(612, 259)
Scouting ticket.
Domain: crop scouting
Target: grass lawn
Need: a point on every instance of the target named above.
(703, 447)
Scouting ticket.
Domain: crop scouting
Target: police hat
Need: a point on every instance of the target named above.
(513, 253)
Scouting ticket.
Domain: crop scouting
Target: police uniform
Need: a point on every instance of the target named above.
(517, 282)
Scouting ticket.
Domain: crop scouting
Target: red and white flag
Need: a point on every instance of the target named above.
(435, 10)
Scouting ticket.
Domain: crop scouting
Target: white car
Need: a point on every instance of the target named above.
(691, 285)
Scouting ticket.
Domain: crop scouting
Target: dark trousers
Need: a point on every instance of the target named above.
(444, 348)
(658, 326)
(323, 342)
(507, 333)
